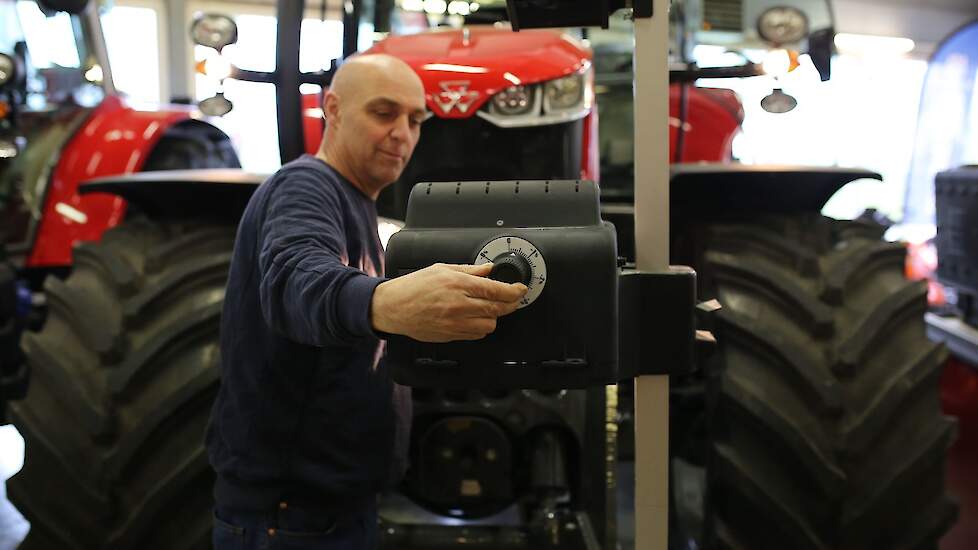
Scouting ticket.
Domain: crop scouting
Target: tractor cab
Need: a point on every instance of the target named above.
(52, 74)
(709, 41)
(62, 121)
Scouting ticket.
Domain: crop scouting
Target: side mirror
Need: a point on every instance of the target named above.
(216, 106)
(214, 31)
(778, 102)
(8, 70)
(70, 6)
(780, 25)
(9, 148)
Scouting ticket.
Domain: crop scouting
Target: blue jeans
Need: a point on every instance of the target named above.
(292, 528)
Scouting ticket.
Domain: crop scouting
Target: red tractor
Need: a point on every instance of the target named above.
(63, 122)
(792, 435)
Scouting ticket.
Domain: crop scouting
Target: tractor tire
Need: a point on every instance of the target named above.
(185, 150)
(13, 371)
(822, 399)
(124, 374)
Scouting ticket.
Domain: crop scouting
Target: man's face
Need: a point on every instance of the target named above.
(379, 129)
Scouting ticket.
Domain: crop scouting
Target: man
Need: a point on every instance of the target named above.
(307, 427)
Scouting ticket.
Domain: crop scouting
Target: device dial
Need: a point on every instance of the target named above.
(516, 260)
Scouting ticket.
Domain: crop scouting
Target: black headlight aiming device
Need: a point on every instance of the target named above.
(548, 235)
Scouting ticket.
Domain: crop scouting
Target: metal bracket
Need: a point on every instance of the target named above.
(657, 322)
(960, 338)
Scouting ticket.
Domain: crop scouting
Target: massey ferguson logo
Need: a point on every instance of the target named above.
(455, 94)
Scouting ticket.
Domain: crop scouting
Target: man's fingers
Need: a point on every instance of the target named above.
(488, 289)
(499, 309)
(505, 292)
(481, 287)
(505, 308)
(474, 308)
(481, 270)
(472, 329)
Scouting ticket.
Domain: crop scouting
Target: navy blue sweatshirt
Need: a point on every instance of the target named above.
(306, 411)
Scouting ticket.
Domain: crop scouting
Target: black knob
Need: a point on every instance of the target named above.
(510, 268)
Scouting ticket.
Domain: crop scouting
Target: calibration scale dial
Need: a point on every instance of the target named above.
(516, 260)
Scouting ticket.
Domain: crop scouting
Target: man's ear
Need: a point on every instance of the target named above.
(331, 109)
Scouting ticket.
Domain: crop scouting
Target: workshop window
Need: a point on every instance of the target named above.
(252, 124)
(133, 43)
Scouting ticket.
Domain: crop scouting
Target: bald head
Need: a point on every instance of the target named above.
(363, 72)
(374, 109)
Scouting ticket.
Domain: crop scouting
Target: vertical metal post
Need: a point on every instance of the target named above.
(180, 61)
(288, 102)
(652, 254)
(91, 18)
(352, 11)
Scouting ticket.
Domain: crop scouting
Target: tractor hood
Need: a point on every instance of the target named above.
(462, 69)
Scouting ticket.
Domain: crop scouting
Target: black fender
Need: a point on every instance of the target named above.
(215, 194)
(735, 192)
(711, 191)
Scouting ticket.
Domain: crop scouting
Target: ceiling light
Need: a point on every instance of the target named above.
(867, 44)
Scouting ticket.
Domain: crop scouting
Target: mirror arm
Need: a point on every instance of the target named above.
(693, 74)
(320, 78)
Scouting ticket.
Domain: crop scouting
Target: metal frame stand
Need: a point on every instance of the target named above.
(651, 113)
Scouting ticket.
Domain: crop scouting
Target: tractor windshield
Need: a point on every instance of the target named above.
(56, 81)
(709, 39)
(52, 49)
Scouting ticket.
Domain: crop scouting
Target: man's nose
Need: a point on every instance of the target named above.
(401, 128)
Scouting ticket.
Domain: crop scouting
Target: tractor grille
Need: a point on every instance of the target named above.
(474, 149)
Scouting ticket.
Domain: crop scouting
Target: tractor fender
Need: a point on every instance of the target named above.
(213, 194)
(709, 192)
(114, 139)
(715, 191)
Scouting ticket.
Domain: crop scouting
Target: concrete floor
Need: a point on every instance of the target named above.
(13, 526)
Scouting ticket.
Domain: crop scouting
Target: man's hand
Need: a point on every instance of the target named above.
(443, 302)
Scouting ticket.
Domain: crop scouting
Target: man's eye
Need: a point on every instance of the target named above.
(383, 114)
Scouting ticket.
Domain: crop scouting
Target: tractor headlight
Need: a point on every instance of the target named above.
(514, 101)
(7, 69)
(564, 93)
(563, 99)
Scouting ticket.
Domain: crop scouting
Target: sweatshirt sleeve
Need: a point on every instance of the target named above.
(308, 292)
